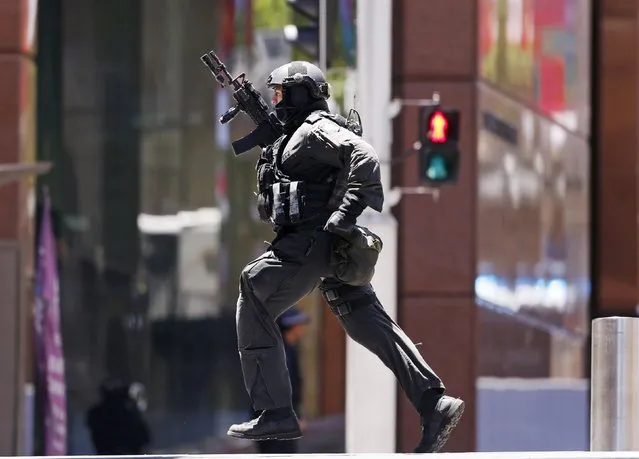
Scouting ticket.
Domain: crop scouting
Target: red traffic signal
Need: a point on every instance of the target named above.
(438, 127)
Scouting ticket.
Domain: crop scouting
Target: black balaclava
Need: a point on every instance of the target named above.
(297, 102)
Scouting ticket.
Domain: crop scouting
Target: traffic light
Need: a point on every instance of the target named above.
(313, 36)
(306, 37)
(439, 152)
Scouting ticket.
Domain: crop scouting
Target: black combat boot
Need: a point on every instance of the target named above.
(438, 423)
(278, 424)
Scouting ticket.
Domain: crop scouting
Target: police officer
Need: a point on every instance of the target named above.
(313, 183)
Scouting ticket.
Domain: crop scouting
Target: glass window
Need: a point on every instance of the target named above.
(533, 186)
(539, 51)
(533, 238)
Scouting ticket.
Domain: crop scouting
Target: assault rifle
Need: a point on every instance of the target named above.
(249, 101)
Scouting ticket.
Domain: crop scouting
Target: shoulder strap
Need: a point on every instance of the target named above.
(314, 117)
(335, 118)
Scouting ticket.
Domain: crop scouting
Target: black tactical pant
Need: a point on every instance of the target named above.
(294, 265)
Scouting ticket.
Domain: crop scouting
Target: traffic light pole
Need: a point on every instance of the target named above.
(322, 35)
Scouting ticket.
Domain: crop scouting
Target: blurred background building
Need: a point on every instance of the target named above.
(154, 217)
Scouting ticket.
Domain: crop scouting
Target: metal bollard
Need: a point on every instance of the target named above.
(614, 390)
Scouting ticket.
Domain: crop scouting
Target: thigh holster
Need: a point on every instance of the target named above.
(341, 306)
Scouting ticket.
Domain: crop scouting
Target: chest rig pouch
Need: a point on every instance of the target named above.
(265, 178)
(280, 201)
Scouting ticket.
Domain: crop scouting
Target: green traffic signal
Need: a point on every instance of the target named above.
(439, 164)
(437, 169)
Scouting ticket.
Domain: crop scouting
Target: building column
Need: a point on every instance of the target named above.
(17, 145)
(615, 260)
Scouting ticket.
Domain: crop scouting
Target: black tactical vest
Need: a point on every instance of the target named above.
(283, 202)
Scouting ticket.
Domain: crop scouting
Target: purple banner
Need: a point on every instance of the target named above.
(50, 356)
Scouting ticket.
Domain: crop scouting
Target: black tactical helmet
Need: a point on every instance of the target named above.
(301, 72)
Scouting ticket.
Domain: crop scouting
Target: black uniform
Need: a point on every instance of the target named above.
(289, 318)
(313, 184)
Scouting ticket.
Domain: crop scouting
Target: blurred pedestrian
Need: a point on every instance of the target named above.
(116, 423)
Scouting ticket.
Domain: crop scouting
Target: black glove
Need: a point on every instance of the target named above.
(341, 224)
